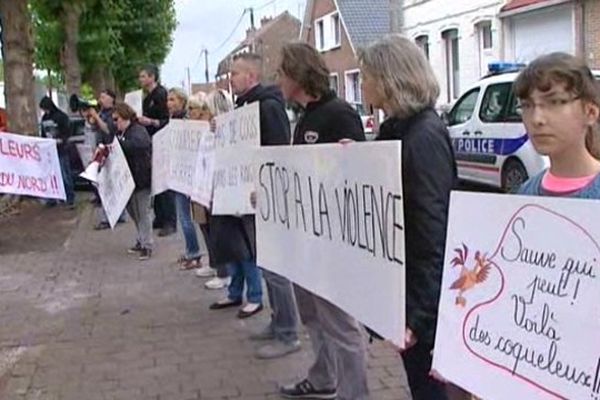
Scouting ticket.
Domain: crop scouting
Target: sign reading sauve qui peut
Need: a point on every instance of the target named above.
(519, 314)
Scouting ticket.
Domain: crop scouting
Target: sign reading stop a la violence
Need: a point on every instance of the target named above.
(29, 166)
(519, 311)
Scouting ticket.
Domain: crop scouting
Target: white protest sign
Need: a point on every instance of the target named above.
(115, 183)
(519, 313)
(237, 137)
(161, 164)
(203, 176)
(29, 166)
(330, 219)
(135, 100)
(175, 153)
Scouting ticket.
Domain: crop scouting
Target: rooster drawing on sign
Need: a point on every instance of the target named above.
(469, 278)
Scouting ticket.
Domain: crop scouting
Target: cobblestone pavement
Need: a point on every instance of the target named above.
(89, 322)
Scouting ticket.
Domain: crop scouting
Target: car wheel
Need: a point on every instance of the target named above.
(514, 175)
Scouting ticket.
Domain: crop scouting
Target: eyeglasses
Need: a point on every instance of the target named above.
(550, 105)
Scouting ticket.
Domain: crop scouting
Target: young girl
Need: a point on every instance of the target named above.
(560, 104)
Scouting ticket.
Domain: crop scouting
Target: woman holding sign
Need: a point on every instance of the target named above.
(137, 146)
(398, 79)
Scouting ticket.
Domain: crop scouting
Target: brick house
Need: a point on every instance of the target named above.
(266, 41)
(338, 28)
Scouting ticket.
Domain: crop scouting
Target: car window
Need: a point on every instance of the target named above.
(463, 110)
(494, 102)
(513, 114)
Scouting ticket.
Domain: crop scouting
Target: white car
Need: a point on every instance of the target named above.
(488, 135)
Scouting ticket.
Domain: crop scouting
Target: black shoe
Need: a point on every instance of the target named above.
(101, 226)
(157, 224)
(145, 254)
(135, 249)
(246, 314)
(305, 390)
(169, 230)
(219, 305)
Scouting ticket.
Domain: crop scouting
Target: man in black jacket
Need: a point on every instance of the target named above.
(274, 130)
(56, 125)
(156, 116)
(340, 369)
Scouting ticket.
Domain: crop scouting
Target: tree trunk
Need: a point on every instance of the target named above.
(17, 53)
(69, 57)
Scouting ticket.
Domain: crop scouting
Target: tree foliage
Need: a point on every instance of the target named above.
(116, 37)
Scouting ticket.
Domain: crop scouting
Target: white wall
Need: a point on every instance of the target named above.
(432, 17)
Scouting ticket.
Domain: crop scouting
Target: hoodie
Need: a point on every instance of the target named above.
(55, 124)
(274, 122)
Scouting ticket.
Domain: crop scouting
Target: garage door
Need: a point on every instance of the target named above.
(543, 31)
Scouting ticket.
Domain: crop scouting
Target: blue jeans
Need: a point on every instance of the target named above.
(249, 272)
(183, 205)
(284, 319)
(67, 175)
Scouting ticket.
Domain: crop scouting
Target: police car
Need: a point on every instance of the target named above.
(489, 138)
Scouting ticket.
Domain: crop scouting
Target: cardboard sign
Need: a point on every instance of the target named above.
(135, 100)
(30, 166)
(519, 312)
(115, 184)
(330, 220)
(174, 155)
(237, 137)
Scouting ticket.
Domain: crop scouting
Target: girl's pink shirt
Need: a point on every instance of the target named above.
(556, 184)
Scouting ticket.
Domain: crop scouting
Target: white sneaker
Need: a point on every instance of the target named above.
(205, 272)
(217, 283)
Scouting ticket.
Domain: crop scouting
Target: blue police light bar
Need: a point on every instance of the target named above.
(500, 67)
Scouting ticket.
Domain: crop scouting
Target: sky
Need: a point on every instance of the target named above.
(208, 24)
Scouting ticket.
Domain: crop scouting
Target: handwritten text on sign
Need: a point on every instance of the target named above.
(115, 183)
(330, 221)
(520, 297)
(174, 155)
(237, 136)
(29, 166)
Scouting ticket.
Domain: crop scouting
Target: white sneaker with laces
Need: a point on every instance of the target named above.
(217, 283)
(205, 272)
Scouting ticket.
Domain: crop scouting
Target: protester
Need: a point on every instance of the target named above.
(177, 104)
(137, 146)
(56, 125)
(398, 79)
(156, 116)
(103, 129)
(560, 105)
(206, 108)
(241, 253)
(340, 368)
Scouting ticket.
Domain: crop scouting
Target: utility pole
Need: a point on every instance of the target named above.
(206, 65)
(189, 81)
(251, 18)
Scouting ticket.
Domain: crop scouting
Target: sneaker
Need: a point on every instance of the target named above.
(205, 272)
(145, 254)
(277, 349)
(101, 226)
(264, 335)
(217, 283)
(305, 390)
(249, 310)
(135, 249)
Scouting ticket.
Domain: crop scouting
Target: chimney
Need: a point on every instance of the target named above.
(265, 20)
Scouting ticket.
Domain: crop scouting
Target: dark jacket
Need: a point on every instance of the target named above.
(155, 106)
(328, 120)
(428, 176)
(137, 146)
(106, 115)
(56, 124)
(240, 232)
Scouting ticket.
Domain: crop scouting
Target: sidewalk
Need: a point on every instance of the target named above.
(89, 322)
